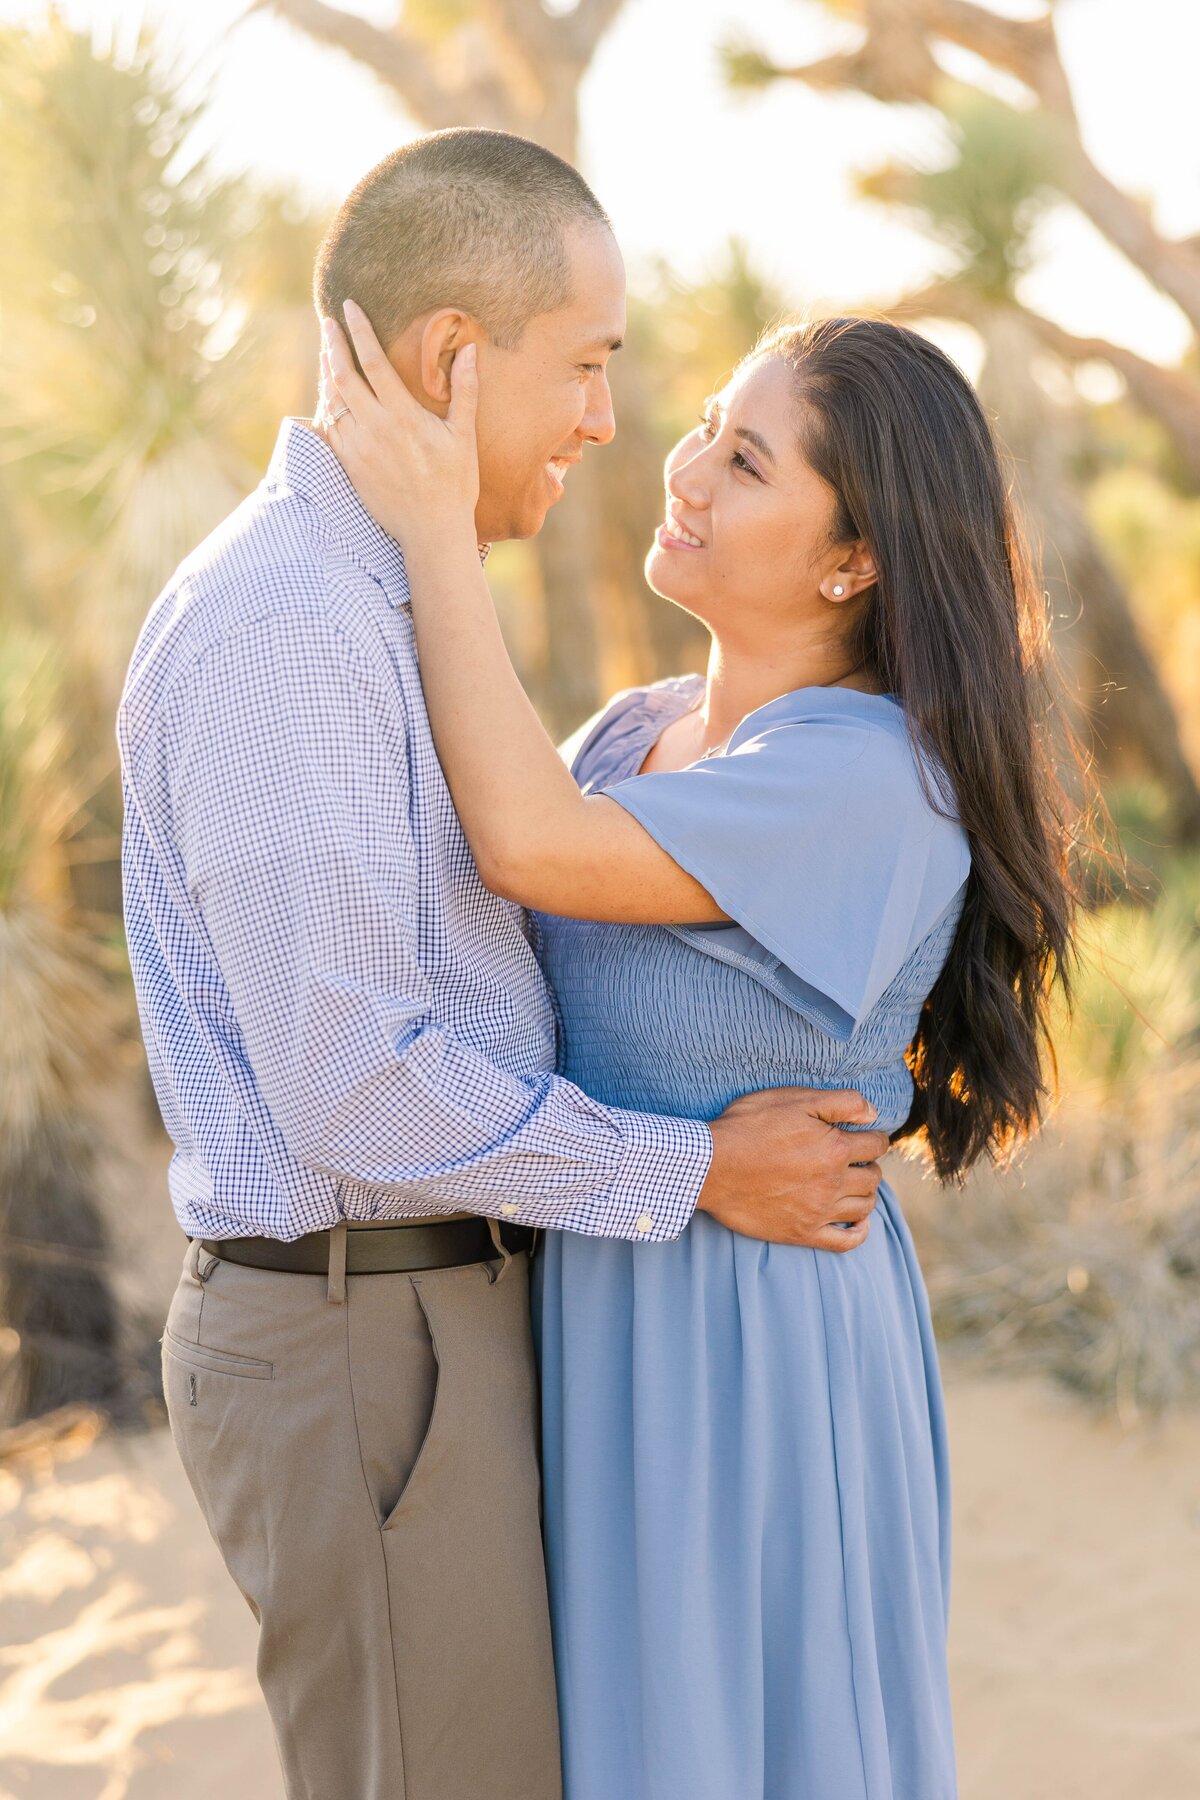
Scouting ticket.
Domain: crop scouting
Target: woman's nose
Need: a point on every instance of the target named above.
(685, 482)
(685, 472)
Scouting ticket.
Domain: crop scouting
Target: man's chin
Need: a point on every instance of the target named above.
(525, 524)
(512, 522)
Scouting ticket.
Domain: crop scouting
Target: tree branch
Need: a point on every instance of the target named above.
(907, 78)
(1026, 48)
(395, 56)
(896, 63)
(1170, 263)
(1172, 396)
(546, 47)
(527, 33)
(587, 25)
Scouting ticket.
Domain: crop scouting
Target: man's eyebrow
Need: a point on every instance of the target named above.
(602, 341)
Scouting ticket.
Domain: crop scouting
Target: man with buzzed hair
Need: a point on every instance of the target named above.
(438, 218)
(354, 1049)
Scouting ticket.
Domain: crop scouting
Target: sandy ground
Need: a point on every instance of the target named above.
(126, 1656)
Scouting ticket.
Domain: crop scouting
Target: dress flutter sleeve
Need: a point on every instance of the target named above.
(815, 833)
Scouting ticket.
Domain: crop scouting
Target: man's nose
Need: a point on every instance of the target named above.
(599, 422)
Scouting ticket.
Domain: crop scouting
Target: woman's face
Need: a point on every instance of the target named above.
(756, 519)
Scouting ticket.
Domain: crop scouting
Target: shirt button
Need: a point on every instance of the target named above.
(510, 1206)
(646, 1222)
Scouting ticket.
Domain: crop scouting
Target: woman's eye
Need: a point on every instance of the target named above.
(708, 431)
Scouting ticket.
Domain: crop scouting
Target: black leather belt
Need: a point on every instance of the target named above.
(384, 1250)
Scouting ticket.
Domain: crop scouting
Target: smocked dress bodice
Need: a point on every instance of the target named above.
(740, 1019)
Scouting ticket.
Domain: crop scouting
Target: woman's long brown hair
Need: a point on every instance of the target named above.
(955, 627)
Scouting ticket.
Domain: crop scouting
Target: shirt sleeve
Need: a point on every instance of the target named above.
(818, 839)
(291, 808)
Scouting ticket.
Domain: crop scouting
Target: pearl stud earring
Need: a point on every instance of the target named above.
(839, 590)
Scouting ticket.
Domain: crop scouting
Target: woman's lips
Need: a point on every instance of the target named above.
(666, 541)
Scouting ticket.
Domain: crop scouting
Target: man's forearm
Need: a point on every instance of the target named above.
(539, 1152)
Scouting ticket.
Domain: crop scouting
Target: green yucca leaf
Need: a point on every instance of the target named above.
(987, 199)
(112, 280)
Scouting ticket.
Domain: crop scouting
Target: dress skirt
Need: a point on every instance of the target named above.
(746, 1516)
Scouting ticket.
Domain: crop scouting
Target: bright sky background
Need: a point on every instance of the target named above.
(681, 164)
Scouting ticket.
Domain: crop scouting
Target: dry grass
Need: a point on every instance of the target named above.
(1084, 1261)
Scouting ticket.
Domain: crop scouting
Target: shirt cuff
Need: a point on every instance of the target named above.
(663, 1166)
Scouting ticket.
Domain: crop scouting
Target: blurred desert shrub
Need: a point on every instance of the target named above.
(1152, 532)
(59, 1334)
(140, 355)
(153, 327)
(1083, 1262)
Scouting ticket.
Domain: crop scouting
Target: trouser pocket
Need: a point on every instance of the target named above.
(394, 1383)
(215, 1362)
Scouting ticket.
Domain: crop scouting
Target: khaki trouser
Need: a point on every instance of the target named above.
(365, 1456)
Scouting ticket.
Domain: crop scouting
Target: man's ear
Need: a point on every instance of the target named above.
(445, 333)
(423, 354)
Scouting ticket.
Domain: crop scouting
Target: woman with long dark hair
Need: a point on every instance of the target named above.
(841, 858)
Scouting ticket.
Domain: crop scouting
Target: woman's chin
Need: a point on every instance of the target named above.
(666, 571)
(663, 577)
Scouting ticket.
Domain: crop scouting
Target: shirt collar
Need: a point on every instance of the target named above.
(303, 463)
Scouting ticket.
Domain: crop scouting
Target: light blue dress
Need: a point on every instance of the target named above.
(747, 1507)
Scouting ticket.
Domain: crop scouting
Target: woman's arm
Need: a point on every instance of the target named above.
(535, 838)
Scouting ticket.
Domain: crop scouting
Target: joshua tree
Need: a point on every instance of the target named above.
(896, 61)
(982, 207)
(1007, 166)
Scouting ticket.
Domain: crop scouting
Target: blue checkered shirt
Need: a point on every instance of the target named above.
(341, 1021)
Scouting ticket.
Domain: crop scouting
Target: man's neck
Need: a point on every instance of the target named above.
(319, 428)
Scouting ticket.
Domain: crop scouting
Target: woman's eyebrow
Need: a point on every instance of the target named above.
(755, 438)
(712, 406)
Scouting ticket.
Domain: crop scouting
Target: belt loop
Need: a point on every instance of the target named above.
(200, 1264)
(495, 1275)
(336, 1292)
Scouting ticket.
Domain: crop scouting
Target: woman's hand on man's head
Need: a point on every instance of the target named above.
(417, 473)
